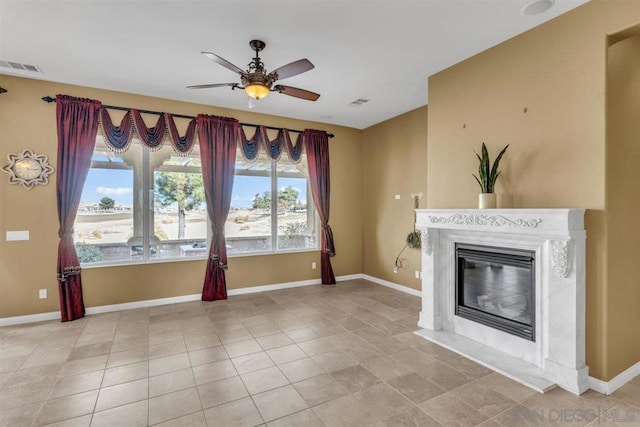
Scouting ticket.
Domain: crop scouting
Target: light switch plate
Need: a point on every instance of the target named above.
(397, 197)
(17, 235)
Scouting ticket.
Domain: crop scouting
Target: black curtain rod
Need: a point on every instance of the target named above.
(182, 116)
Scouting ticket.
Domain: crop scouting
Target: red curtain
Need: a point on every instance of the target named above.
(77, 121)
(317, 148)
(218, 138)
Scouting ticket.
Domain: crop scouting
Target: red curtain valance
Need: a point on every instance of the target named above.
(250, 147)
(118, 138)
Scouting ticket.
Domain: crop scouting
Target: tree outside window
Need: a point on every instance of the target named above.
(185, 190)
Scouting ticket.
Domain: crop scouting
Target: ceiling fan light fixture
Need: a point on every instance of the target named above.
(257, 90)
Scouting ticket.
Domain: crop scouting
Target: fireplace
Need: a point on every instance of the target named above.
(529, 326)
(496, 287)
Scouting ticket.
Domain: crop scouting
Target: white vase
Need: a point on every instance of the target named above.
(487, 201)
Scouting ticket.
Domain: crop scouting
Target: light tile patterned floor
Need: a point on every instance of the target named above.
(310, 356)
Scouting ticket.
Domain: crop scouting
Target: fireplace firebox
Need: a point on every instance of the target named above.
(496, 287)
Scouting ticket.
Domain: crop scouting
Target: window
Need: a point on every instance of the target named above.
(178, 209)
(104, 221)
(140, 196)
(258, 222)
(141, 205)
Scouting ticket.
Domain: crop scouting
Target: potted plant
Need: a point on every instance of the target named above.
(487, 176)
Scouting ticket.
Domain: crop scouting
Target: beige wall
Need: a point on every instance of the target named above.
(623, 201)
(26, 266)
(394, 158)
(557, 156)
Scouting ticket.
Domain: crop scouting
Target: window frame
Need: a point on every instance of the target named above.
(147, 207)
(273, 175)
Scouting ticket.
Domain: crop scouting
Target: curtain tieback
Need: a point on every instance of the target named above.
(327, 235)
(216, 258)
(68, 272)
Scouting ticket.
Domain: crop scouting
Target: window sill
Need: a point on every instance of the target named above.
(194, 258)
(282, 252)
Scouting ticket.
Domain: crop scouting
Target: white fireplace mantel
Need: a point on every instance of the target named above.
(557, 237)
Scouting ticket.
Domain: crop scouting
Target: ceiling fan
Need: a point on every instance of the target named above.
(256, 82)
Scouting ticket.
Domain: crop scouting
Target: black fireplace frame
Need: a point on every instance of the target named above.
(505, 256)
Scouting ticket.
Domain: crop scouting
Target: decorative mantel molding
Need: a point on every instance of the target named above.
(559, 223)
(560, 257)
(483, 219)
(557, 238)
(427, 243)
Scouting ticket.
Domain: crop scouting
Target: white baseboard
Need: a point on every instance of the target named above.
(55, 315)
(349, 277)
(287, 285)
(392, 285)
(142, 304)
(608, 387)
(275, 287)
(30, 318)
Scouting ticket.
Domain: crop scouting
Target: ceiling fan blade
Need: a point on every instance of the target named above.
(211, 85)
(297, 93)
(293, 69)
(226, 64)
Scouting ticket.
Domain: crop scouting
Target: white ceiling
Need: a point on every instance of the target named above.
(382, 50)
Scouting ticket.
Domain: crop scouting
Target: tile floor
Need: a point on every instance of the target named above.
(310, 356)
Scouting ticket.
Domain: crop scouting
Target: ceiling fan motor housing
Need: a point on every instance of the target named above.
(257, 78)
(257, 45)
(256, 72)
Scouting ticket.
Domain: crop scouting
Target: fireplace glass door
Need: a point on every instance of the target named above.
(496, 287)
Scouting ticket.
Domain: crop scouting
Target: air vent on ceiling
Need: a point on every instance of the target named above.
(20, 67)
(359, 102)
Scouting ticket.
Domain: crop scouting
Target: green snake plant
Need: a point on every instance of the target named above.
(487, 175)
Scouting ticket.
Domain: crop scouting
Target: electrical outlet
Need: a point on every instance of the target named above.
(397, 197)
(42, 293)
(417, 274)
(395, 268)
(314, 265)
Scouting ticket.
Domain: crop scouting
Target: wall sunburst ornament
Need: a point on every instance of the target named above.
(28, 169)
